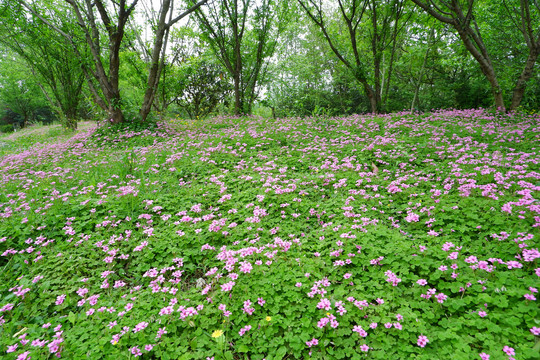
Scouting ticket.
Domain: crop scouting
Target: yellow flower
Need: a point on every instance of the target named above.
(115, 342)
(268, 318)
(217, 333)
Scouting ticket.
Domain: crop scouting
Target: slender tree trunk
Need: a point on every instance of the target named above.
(419, 81)
(422, 69)
(237, 100)
(375, 51)
(154, 73)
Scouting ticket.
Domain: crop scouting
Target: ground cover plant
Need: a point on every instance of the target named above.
(380, 236)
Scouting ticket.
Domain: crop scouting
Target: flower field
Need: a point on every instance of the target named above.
(399, 236)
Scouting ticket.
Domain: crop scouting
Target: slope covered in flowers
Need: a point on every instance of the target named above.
(384, 237)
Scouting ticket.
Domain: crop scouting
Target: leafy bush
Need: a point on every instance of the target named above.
(6, 129)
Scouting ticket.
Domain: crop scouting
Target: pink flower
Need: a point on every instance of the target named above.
(535, 330)
(227, 286)
(135, 351)
(422, 282)
(364, 348)
(24, 356)
(312, 342)
(441, 297)
(244, 330)
(140, 326)
(324, 304)
(60, 299)
(422, 341)
(484, 356)
(482, 313)
(509, 351)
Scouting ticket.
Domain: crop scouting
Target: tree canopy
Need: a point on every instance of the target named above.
(194, 58)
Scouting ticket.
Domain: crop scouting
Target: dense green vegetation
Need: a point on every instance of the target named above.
(393, 236)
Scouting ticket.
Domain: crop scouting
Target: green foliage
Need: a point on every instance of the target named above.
(147, 217)
(6, 128)
(21, 99)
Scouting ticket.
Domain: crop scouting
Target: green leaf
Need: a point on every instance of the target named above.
(242, 348)
(72, 317)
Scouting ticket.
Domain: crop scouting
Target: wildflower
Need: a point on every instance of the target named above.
(12, 348)
(217, 333)
(509, 351)
(268, 318)
(484, 356)
(422, 341)
(24, 356)
(244, 330)
(136, 351)
(227, 286)
(364, 348)
(312, 342)
(482, 313)
(140, 326)
(535, 330)
(60, 299)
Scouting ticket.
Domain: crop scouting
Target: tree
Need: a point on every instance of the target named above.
(243, 35)
(192, 77)
(92, 16)
(157, 58)
(352, 12)
(202, 87)
(382, 20)
(462, 17)
(53, 61)
(19, 91)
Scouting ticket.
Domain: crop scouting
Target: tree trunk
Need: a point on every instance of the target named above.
(421, 75)
(155, 73)
(484, 61)
(372, 96)
(116, 114)
(526, 74)
(237, 97)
